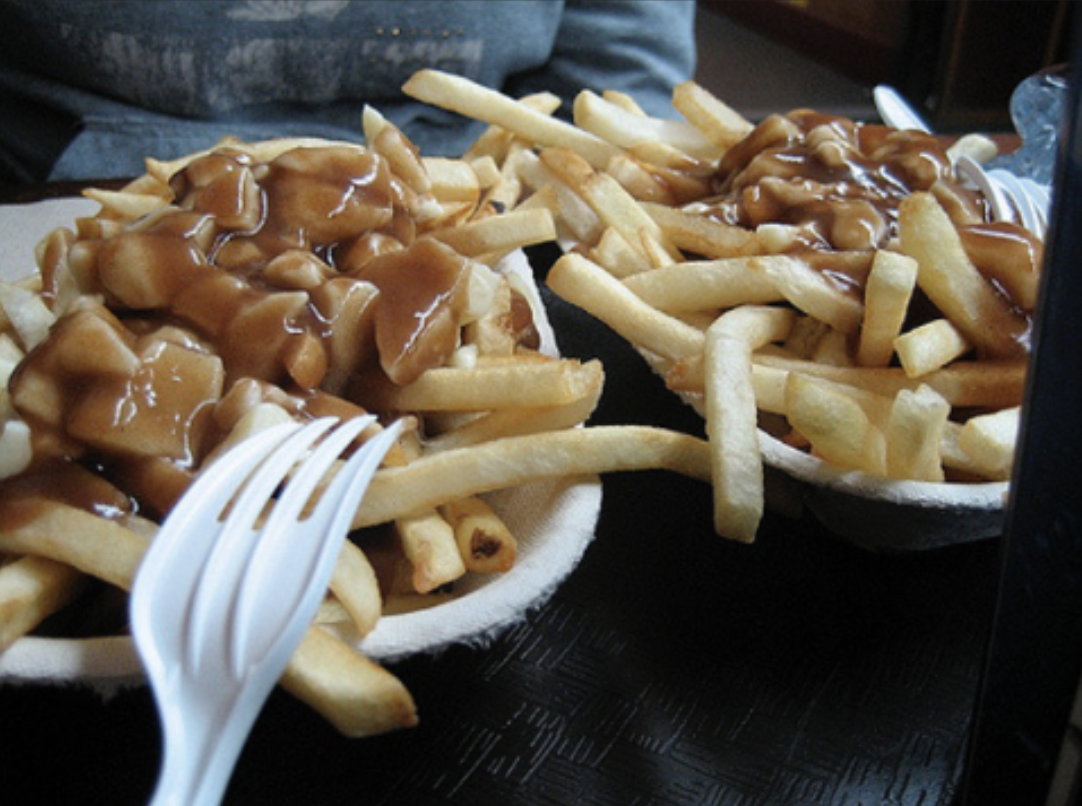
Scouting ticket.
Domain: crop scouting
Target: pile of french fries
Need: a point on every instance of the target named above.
(137, 321)
(822, 346)
(893, 343)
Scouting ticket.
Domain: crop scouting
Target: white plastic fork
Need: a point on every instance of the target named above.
(1010, 197)
(223, 597)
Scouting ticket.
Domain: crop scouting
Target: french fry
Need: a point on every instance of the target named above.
(699, 235)
(31, 589)
(838, 428)
(451, 180)
(708, 284)
(613, 205)
(126, 205)
(736, 465)
(1010, 258)
(965, 384)
(915, 434)
(429, 544)
(575, 219)
(609, 121)
(454, 474)
(990, 440)
(516, 422)
(716, 119)
(617, 256)
(354, 584)
(886, 301)
(500, 233)
(833, 348)
(491, 386)
(496, 142)
(813, 293)
(484, 541)
(358, 697)
(470, 99)
(929, 347)
(949, 278)
(584, 283)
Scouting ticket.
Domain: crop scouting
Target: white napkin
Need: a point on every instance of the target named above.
(553, 522)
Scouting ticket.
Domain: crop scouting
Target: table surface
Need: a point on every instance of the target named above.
(672, 667)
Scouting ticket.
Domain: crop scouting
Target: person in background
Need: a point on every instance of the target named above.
(88, 88)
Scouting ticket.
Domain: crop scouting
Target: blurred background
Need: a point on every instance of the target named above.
(956, 61)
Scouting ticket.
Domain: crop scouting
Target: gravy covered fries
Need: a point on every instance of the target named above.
(906, 311)
(253, 283)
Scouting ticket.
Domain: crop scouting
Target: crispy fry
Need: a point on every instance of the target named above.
(613, 205)
(501, 233)
(484, 541)
(516, 422)
(31, 589)
(584, 283)
(429, 544)
(915, 434)
(492, 386)
(468, 98)
(354, 584)
(813, 293)
(952, 282)
(989, 439)
(716, 119)
(836, 425)
(626, 129)
(929, 347)
(450, 475)
(886, 302)
(736, 466)
(699, 235)
(617, 256)
(706, 285)
(965, 384)
(359, 697)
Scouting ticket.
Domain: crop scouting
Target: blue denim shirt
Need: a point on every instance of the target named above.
(89, 88)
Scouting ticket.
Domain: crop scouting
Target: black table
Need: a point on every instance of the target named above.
(672, 667)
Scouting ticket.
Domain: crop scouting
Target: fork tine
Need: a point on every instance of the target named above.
(309, 556)
(231, 553)
(970, 169)
(1019, 198)
(211, 488)
(300, 488)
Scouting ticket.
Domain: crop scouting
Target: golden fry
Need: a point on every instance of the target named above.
(587, 285)
(450, 475)
(484, 541)
(468, 98)
(951, 281)
(736, 465)
(886, 301)
(31, 589)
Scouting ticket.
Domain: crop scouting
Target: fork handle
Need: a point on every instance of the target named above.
(203, 743)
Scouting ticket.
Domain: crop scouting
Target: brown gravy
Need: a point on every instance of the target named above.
(281, 279)
(840, 182)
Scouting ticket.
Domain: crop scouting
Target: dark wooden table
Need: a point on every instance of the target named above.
(672, 667)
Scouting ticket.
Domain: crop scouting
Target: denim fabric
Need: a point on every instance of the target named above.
(88, 88)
